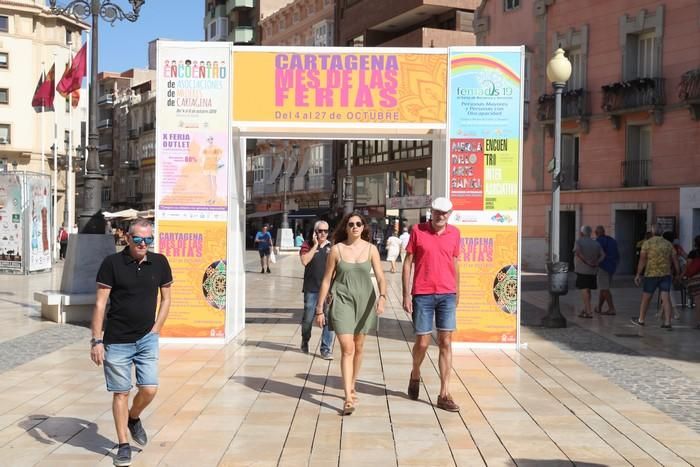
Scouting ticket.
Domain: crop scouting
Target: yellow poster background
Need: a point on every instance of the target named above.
(421, 91)
(193, 248)
(484, 253)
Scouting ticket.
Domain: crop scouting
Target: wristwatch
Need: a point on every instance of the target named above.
(94, 342)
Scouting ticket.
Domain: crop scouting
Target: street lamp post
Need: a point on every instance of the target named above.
(348, 202)
(110, 12)
(558, 72)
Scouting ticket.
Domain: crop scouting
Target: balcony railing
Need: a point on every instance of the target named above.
(636, 94)
(241, 35)
(636, 173)
(573, 105)
(689, 92)
(106, 123)
(148, 127)
(134, 133)
(233, 4)
(105, 99)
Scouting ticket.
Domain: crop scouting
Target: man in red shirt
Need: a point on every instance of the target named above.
(433, 247)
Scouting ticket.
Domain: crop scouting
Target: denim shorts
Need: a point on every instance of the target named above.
(663, 283)
(119, 358)
(443, 307)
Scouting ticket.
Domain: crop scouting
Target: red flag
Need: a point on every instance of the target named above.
(44, 93)
(75, 95)
(72, 78)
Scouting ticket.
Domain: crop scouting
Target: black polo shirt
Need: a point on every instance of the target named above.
(313, 272)
(134, 294)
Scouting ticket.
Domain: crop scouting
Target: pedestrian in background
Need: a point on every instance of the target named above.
(658, 263)
(606, 270)
(62, 242)
(263, 241)
(354, 306)
(587, 256)
(314, 256)
(691, 277)
(433, 248)
(131, 281)
(393, 247)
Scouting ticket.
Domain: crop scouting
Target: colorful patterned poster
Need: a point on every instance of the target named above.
(38, 196)
(10, 222)
(340, 86)
(467, 173)
(488, 300)
(197, 255)
(484, 150)
(192, 152)
(192, 182)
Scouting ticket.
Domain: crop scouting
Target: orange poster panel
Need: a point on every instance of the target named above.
(488, 278)
(196, 252)
(287, 87)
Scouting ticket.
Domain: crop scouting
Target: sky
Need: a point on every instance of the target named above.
(125, 45)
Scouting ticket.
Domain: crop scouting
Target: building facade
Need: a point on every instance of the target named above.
(631, 129)
(300, 171)
(237, 21)
(31, 41)
(391, 178)
(126, 124)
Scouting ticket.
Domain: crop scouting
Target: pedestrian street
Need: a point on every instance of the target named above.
(260, 401)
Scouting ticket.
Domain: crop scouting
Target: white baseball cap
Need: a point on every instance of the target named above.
(442, 204)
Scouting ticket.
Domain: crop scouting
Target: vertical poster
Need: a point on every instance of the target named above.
(484, 152)
(38, 199)
(192, 157)
(197, 255)
(10, 222)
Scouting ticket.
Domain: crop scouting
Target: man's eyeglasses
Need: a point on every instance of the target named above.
(354, 224)
(140, 240)
(322, 231)
(440, 213)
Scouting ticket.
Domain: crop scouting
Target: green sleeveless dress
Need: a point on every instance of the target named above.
(353, 309)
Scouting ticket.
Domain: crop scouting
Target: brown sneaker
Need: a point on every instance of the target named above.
(413, 388)
(446, 403)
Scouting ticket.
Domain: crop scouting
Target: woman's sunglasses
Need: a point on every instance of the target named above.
(354, 224)
(140, 240)
(320, 231)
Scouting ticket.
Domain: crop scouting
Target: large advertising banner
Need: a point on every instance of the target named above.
(196, 251)
(38, 196)
(484, 151)
(10, 222)
(194, 86)
(192, 179)
(340, 86)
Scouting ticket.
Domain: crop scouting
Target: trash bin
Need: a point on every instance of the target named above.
(558, 274)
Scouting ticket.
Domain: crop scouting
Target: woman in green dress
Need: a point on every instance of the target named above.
(354, 306)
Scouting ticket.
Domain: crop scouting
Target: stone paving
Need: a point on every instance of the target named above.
(571, 415)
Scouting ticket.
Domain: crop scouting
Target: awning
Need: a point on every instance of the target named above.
(257, 215)
(125, 214)
(307, 213)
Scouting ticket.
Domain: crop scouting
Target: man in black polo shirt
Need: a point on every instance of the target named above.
(313, 256)
(131, 281)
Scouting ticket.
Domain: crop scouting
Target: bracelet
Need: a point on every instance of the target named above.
(319, 314)
(382, 295)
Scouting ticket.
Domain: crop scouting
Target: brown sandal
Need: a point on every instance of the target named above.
(348, 408)
(413, 388)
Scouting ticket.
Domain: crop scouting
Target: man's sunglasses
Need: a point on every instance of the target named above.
(354, 224)
(322, 231)
(140, 240)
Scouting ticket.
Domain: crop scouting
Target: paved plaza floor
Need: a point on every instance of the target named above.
(599, 392)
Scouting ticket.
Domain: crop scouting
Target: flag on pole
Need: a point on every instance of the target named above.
(72, 79)
(44, 93)
(75, 95)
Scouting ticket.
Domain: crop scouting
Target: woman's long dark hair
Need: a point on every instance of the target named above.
(340, 234)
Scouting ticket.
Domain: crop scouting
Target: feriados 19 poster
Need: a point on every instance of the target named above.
(484, 150)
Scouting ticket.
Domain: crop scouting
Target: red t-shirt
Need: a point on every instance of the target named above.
(433, 257)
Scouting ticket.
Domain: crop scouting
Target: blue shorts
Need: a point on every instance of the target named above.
(264, 252)
(441, 307)
(663, 283)
(119, 358)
